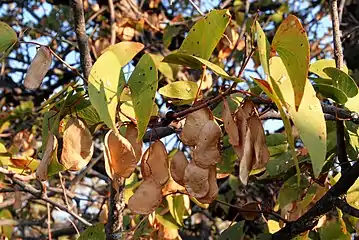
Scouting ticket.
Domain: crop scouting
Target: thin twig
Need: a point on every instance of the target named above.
(112, 21)
(196, 7)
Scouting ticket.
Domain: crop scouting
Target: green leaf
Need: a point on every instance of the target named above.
(4, 155)
(96, 232)
(205, 34)
(318, 66)
(275, 139)
(163, 67)
(7, 230)
(168, 33)
(352, 104)
(8, 39)
(343, 81)
(263, 48)
(87, 112)
(234, 232)
(291, 43)
(143, 84)
(177, 208)
(331, 92)
(332, 230)
(166, 220)
(105, 82)
(312, 130)
(229, 157)
(290, 191)
(185, 90)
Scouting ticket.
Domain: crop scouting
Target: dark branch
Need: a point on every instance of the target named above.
(114, 226)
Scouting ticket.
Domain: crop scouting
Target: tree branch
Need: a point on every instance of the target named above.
(114, 226)
(82, 39)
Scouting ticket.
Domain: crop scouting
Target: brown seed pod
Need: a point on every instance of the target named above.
(147, 197)
(206, 152)
(78, 146)
(230, 125)
(196, 180)
(154, 163)
(50, 152)
(213, 187)
(131, 136)
(248, 108)
(194, 123)
(241, 121)
(178, 165)
(120, 159)
(246, 163)
(38, 68)
(259, 142)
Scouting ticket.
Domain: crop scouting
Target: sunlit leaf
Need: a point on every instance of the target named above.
(105, 81)
(291, 43)
(263, 48)
(143, 84)
(312, 130)
(205, 34)
(177, 207)
(164, 68)
(273, 226)
(166, 220)
(185, 90)
(8, 39)
(331, 92)
(96, 232)
(6, 230)
(342, 81)
(318, 66)
(4, 155)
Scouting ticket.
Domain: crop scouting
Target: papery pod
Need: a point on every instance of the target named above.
(50, 150)
(241, 121)
(259, 142)
(206, 152)
(77, 149)
(154, 163)
(193, 125)
(248, 108)
(147, 197)
(230, 125)
(196, 180)
(178, 165)
(120, 158)
(172, 187)
(131, 136)
(213, 187)
(38, 68)
(246, 163)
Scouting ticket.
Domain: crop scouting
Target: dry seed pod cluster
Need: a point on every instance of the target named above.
(246, 135)
(154, 169)
(199, 175)
(50, 150)
(38, 68)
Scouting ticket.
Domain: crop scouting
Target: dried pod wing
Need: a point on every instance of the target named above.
(78, 146)
(259, 142)
(38, 68)
(178, 165)
(147, 197)
(230, 125)
(155, 160)
(50, 150)
(248, 108)
(246, 163)
(193, 125)
(131, 136)
(196, 180)
(120, 159)
(213, 187)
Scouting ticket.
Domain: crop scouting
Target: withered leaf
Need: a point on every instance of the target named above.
(230, 125)
(154, 163)
(193, 125)
(196, 180)
(38, 68)
(120, 159)
(213, 187)
(246, 163)
(131, 136)
(248, 108)
(50, 150)
(147, 197)
(178, 165)
(241, 121)
(78, 146)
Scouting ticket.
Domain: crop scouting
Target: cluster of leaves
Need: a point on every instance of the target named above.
(171, 185)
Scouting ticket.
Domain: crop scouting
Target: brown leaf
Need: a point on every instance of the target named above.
(194, 123)
(120, 159)
(38, 68)
(206, 152)
(50, 151)
(78, 146)
(103, 217)
(196, 180)
(259, 141)
(246, 163)
(241, 121)
(131, 136)
(147, 197)
(213, 187)
(248, 108)
(253, 211)
(178, 165)
(229, 124)
(154, 163)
